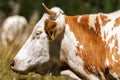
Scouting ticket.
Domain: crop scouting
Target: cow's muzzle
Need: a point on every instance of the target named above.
(13, 67)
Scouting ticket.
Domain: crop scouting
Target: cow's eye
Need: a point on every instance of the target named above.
(46, 32)
(38, 33)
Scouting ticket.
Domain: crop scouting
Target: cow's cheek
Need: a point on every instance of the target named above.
(21, 60)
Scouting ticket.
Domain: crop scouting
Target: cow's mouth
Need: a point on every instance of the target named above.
(20, 72)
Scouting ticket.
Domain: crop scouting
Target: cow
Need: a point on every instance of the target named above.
(11, 27)
(83, 47)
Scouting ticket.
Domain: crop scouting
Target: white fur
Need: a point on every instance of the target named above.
(115, 75)
(81, 47)
(70, 74)
(57, 10)
(109, 30)
(107, 62)
(92, 21)
(113, 58)
(78, 20)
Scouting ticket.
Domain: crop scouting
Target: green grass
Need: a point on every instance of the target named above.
(6, 55)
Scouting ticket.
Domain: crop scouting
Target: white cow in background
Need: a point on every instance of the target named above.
(11, 27)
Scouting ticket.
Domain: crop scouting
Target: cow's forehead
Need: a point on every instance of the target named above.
(40, 24)
(57, 10)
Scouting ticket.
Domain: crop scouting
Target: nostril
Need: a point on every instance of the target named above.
(12, 63)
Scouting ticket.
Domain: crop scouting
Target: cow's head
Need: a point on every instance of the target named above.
(34, 55)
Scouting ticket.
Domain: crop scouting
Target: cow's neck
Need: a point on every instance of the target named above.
(82, 42)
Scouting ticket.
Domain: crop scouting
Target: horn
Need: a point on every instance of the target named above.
(52, 13)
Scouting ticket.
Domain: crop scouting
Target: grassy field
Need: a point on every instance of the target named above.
(7, 54)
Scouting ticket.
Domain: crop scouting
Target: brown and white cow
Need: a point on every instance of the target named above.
(86, 45)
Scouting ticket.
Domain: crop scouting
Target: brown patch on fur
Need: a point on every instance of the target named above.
(117, 22)
(104, 19)
(50, 27)
(97, 25)
(94, 52)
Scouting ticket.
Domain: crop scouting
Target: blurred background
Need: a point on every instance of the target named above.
(32, 11)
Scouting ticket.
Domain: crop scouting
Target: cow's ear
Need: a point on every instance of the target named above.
(50, 28)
